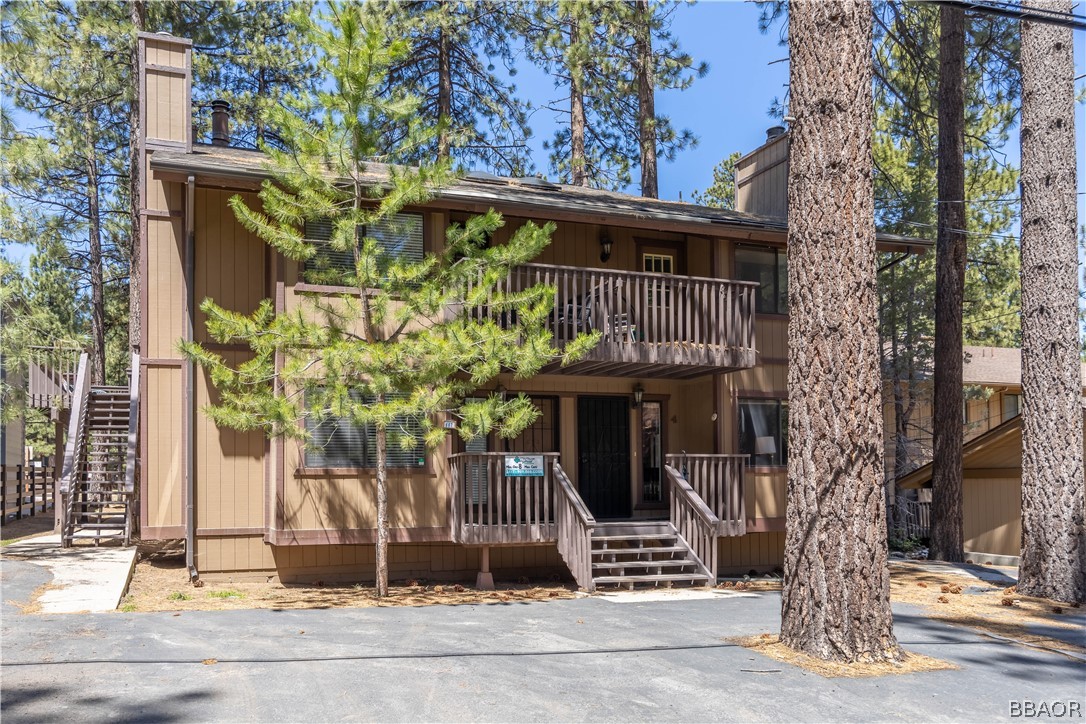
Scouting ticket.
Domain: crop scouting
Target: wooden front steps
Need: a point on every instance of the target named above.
(643, 554)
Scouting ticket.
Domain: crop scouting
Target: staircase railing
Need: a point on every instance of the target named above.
(695, 523)
(74, 446)
(718, 481)
(50, 376)
(575, 526)
(130, 462)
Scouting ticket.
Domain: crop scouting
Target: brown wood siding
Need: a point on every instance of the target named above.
(162, 430)
(992, 515)
(761, 179)
(754, 551)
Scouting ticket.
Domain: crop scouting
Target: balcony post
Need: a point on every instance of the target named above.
(484, 580)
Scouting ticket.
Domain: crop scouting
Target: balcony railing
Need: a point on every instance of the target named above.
(685, 326)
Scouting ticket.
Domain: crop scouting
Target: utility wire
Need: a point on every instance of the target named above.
(1013, 10)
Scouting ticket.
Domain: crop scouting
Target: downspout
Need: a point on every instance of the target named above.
(190, 377)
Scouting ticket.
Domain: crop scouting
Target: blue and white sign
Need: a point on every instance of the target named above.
(524, 466)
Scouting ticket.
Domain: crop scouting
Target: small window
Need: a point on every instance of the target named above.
(763, 431)
(652, 452)
(1011, 406)
(768, 267)
(399, 239)
(658, 263)
(336, 442)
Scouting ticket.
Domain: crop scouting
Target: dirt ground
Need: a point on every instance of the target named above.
(770, 645)
(14, 530)
(967, 601)
(161, 584)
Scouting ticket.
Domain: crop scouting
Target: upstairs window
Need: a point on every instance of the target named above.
(336, 442)
(763, 431)
(399, 239)
(1011, 406)
(768, 267)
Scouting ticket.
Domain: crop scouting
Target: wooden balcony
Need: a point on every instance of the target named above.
(651, 324)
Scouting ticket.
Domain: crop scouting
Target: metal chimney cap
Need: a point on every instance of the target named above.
(774, 132)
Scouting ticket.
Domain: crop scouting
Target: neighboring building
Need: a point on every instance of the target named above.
(693, 360)
(992, 456)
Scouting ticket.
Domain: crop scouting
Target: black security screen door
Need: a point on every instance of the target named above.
(603, 449)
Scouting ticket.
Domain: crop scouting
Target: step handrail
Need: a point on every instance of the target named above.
(575, 527)
(75, 444)
(694, 522)
(133, 426)
(719, 481)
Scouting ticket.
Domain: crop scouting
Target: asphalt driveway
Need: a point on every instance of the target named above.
(572, 660)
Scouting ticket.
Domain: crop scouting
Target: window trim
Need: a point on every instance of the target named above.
(781, 400)
(779, 253)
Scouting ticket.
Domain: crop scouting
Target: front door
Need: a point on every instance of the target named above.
(603, 449)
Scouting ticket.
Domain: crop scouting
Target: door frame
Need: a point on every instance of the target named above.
(631, 460)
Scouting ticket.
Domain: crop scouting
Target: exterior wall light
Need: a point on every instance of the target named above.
(605, 247)
(638, 392)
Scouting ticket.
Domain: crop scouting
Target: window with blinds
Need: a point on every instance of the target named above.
(399, 239)
(336, 442)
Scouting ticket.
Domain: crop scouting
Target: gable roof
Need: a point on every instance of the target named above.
(989, 450)
(527, 195)
(996, 366)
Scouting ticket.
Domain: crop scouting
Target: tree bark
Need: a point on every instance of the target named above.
(1053, 561)
(577, 171)
(950, 253)
(836, 597)
(94, 253)
(444, 92)
(646, 99)
(138, 17)
(382, 509)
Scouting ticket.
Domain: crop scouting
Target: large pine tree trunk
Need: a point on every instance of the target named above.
(836, 598)
(138, 17)
(1053, 536)
(577, 171)
(444, 91)
(950, 253)
(94, 260)
(646, 99)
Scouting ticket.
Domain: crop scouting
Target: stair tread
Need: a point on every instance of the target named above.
(643, 537)
(652, 577)
(628, 551)
(674, 563)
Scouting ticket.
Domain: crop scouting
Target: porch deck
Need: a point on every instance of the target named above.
(651, 324)
(494, 505)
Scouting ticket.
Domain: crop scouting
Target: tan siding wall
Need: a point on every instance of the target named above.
(165, 53)
(762, 180)
(165, 288)
(758, 551)
(162, 429)
(992, 515)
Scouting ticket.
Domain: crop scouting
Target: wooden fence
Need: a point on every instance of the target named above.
(26, 490)
(909, 518)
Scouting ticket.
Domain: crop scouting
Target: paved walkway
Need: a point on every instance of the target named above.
(82, 578)
(587, 659)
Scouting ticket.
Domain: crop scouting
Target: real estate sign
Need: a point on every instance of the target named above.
(524, 466)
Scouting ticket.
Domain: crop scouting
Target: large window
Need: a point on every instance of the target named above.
(398, 238)
(763, 431)
(336, 442)
(768, 267)
(1011, 406)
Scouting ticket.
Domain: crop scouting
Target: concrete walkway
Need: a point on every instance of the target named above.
(84, 578)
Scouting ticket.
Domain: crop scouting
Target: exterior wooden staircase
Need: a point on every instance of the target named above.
(97, 483)
(639, 555)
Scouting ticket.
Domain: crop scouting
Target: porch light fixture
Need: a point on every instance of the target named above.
(639, 392)
(605, 247)
(501, 391)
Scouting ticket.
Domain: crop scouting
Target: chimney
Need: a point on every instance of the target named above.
(220, 123)
(773, 132)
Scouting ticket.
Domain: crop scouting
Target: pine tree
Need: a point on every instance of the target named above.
(456, 46)
(64, 66)
(836, 597)
(1053, 530)
(721, 193)
(655, 62)
(574, 41)
(947, 538)
(414, 337)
